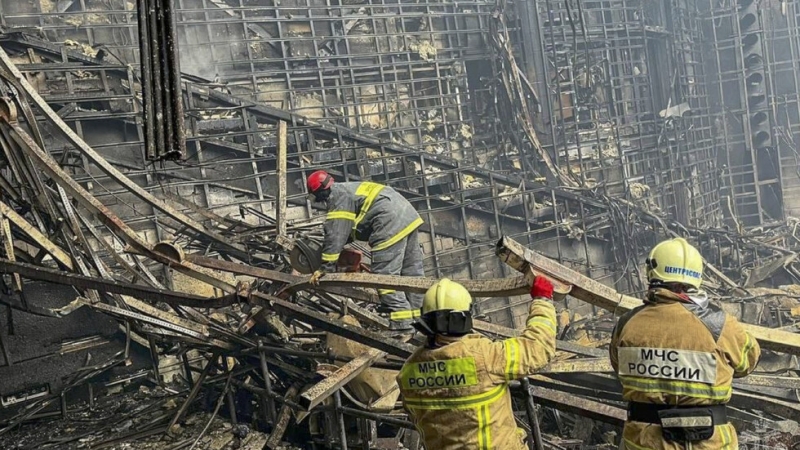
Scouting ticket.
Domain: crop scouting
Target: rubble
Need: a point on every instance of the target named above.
(194, 259)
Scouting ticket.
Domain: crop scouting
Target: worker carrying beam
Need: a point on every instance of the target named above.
(380, 215)
(676, 358)
(455, 387)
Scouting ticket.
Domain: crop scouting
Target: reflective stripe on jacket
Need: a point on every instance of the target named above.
(457, 395)
(672, 352)
(366, 211)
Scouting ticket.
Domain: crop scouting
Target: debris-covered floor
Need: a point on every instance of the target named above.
(132, 420)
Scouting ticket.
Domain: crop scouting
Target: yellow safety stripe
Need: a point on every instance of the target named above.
(386, 291)
(397, 237)
(370, 191)
(344, 215)
(696, 390)
(630, 445)
(330, 257)
(512, 358)
(416, 313)
(545, 322)
(404, 315)
(472, 401)
(744, 361)
(484, 430)
(725, 434)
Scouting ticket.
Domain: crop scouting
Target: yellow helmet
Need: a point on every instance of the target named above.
(445, 310)
(446, 295)
(675, 261)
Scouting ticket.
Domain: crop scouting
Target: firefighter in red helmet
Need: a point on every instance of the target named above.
(380, 215)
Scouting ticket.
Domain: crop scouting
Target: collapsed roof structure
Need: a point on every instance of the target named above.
(584, 130)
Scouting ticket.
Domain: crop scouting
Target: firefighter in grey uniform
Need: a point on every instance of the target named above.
(381, 216)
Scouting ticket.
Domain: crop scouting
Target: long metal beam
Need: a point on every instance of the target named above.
(115, 287)
(274, 275)
(48, 165)
(579, 405)
(102, 164)
(335, 326)
(598, 294)
(498, 287)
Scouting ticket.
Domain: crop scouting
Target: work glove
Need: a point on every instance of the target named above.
(316, 276)
(542, 288)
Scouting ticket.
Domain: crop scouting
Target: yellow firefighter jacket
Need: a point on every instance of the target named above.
(676, 353)
(457, 394)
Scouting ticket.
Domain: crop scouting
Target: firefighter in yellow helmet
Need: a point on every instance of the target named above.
(455, 388)
(676, 358)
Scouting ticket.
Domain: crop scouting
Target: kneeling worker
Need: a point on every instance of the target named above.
(676, 359)
(380, 215)
(455, 388)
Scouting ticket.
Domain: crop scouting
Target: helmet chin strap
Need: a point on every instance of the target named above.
(322, 195)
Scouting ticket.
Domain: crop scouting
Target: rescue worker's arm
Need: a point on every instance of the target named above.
(613, 355)
(521, 356)
(740, 347)
(337, 227)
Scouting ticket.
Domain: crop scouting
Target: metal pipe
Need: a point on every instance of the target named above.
(165, 84)
(377, 417)
(179, 129)
(533, 417)
(156, 70)
(337, 401)
(186, 368)
(267, 383)
(148, 118)
(154, 358)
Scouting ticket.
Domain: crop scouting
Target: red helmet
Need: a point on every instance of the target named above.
(319, 180)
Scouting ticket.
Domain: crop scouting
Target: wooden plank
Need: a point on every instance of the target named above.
(32, 232)
(593, 365)
(280, 199)
(283, 419)
(590, 291)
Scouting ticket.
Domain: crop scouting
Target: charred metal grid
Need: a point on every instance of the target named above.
(231, 165)
(611, 70)
(741, 91)
(692, 148)
(413, 73)
(783, 37)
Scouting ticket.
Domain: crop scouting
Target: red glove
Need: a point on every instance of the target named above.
(542, 287)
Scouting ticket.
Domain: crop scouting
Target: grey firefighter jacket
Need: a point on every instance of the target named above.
(366, 211)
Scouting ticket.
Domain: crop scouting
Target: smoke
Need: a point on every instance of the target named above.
(197, 61)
